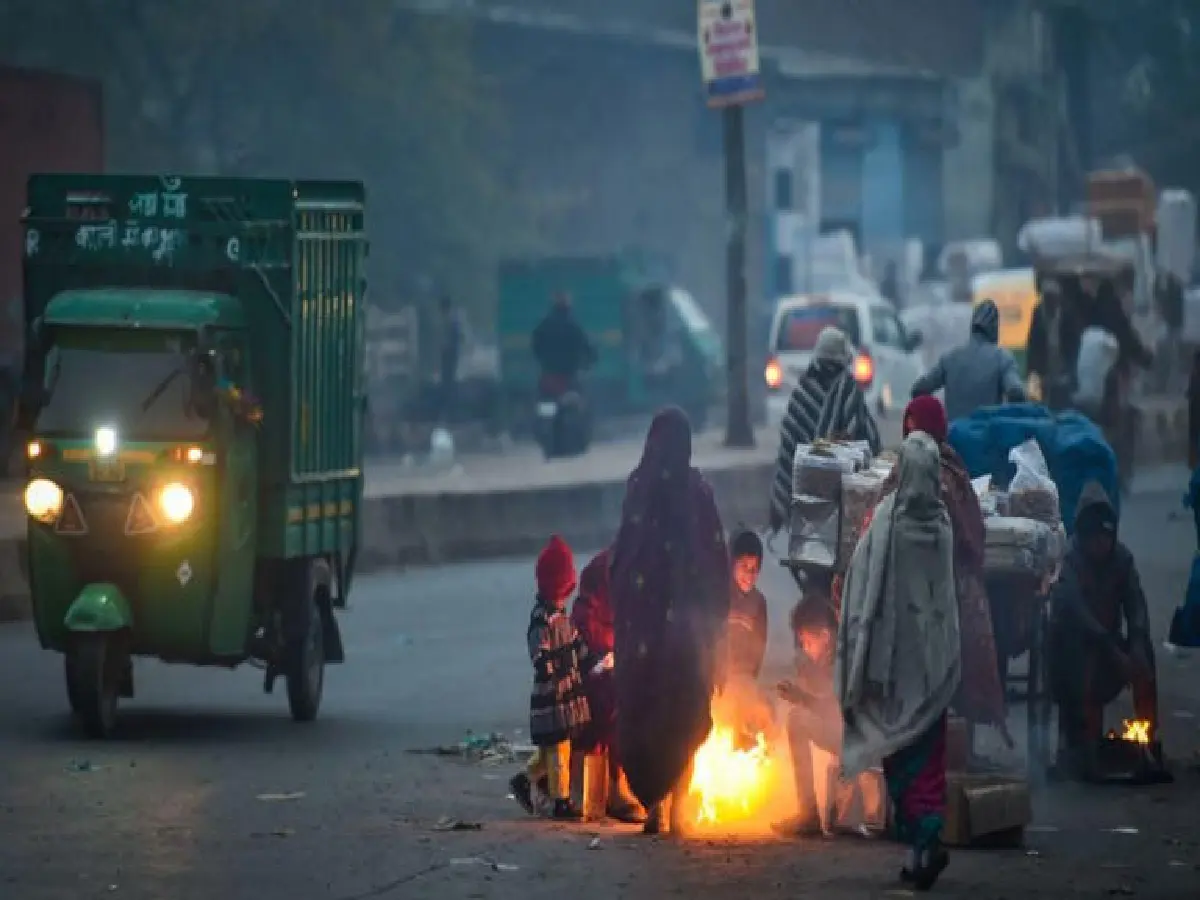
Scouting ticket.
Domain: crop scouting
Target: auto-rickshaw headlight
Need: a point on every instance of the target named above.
(43, 500)
(176, 502)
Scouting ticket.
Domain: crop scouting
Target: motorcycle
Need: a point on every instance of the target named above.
(563, 424)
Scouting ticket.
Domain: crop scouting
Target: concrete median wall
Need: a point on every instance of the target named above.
(440, 528)
(409, 530)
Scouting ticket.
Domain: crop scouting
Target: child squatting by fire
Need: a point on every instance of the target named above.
(558, 707)
(814, 716)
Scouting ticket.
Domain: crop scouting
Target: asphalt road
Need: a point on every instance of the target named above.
(174, 808)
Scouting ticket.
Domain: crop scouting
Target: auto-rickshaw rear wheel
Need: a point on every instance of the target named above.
(94, 664)
(305, 671)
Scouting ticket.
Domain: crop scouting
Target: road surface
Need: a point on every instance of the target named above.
(175, 807)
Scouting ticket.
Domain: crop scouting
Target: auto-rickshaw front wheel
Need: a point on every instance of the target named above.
(93, 665)
(305, 670)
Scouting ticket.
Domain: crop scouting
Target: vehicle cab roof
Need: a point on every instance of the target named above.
(829, 298)
(168, 308)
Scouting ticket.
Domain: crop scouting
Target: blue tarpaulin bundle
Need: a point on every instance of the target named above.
(1074, 447)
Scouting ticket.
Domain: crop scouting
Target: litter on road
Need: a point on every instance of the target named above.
(445, 823)
(487, 863)
(483, 748)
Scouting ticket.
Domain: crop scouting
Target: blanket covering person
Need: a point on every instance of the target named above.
(898, 660)
(827, 402)
(1100, 639)
(980, 698)
(592, 616)
(670, 588)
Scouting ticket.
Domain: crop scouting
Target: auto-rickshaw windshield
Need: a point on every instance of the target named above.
(137, 382)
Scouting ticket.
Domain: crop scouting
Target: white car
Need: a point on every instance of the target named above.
(885, 363)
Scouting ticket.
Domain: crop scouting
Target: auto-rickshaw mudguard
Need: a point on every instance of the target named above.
(99, 608)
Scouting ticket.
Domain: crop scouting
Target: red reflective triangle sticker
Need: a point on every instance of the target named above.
(71, 521)
(141, 517)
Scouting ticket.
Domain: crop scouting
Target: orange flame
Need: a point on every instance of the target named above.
(731, 783)
(1136, 730)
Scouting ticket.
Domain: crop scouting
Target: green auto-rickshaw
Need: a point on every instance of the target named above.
(193, 396)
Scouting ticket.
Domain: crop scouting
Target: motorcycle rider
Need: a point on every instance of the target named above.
(979, 373)
(561, 347)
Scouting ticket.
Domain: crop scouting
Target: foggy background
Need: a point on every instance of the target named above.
(486, 129)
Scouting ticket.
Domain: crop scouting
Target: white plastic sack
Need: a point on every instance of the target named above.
(982, 485)
(816, 519)
(1033, 493)
(1059, 236)
(1032, 472)
(1098, 353)
(1176, 219)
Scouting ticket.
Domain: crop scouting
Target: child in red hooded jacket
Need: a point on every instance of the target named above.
(558, 707)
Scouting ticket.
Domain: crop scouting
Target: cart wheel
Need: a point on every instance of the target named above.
(306, 668)
(93, 670)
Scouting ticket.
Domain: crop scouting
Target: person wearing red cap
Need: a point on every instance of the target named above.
(558, 707)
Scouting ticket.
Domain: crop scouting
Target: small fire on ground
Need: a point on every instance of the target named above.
(1136, 731)
(732, 777)
(742, 774)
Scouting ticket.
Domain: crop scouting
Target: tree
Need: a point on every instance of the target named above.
(305, 88)
(1153, 46)
(433, 142)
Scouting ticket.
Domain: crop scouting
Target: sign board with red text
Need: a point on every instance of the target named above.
(728, 43)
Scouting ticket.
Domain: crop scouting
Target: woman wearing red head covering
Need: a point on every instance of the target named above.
(592, 616)
(670, 586)
(980, 697)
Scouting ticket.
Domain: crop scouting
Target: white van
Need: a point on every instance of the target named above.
(885, 363)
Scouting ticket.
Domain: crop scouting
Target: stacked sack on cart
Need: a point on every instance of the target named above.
(1073, 449)
(834, 485)
(1030, 467)
(1024, 529)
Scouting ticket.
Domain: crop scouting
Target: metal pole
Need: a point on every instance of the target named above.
(738, 432)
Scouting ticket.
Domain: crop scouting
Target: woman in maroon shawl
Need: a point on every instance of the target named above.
(980, 697)
(670, 585)
(592, 616)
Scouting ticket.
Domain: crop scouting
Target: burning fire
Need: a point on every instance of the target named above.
(731, 782)
(1136, 731)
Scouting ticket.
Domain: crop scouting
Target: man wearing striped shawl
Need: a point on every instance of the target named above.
(826, 403)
